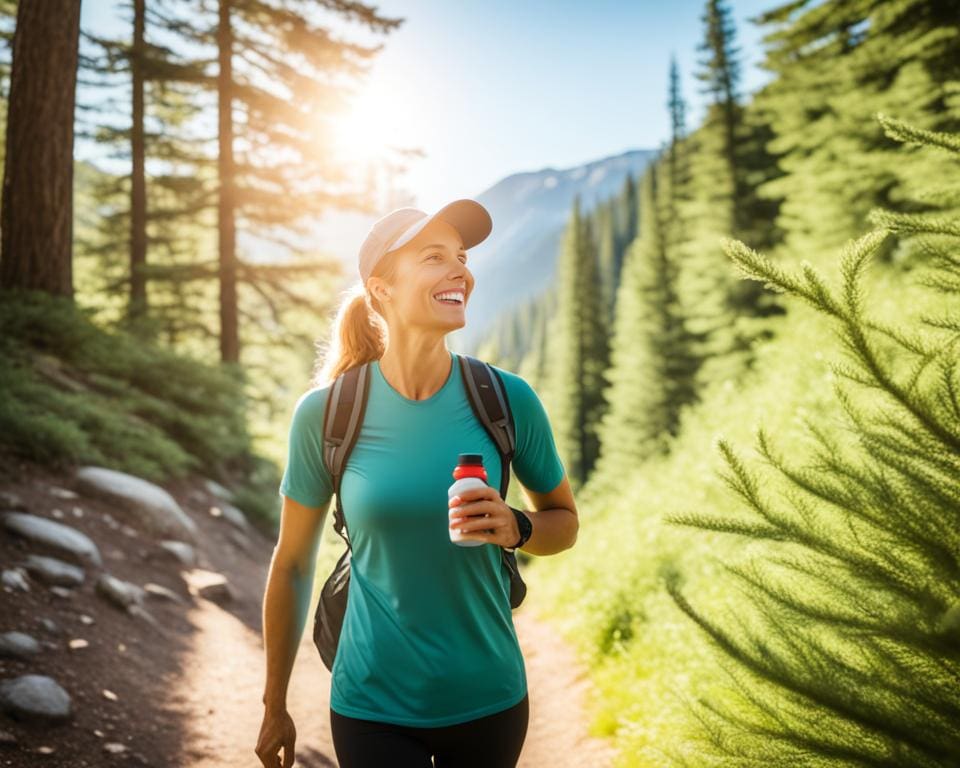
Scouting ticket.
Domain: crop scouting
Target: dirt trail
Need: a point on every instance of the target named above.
(186, 691)
(224, 667)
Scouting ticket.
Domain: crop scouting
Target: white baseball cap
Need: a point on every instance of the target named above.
(401, 225)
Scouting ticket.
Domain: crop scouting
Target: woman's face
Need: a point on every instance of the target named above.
(432, 263)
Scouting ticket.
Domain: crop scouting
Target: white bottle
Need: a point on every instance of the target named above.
(469, 473)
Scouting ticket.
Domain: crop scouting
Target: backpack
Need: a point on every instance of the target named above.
(342, 419)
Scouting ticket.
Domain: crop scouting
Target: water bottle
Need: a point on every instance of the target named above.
(469, 473)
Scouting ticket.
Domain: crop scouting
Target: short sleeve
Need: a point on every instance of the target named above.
(536, 462)
(305, 478)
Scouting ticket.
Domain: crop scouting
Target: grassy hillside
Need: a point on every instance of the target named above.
(72, 393)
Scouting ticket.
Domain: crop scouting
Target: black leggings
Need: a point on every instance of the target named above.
(492, 741)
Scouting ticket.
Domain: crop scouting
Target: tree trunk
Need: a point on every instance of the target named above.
(229, 341)
(37, 213)
(138, 183)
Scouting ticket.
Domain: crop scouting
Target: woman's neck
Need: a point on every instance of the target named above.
(416, 373)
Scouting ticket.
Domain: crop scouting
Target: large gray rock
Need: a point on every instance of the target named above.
(18, 645)
(34, 697)
(53, 571)
(52, 534)
(149, 504)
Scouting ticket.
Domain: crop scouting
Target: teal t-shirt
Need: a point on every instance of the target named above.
(428, 636)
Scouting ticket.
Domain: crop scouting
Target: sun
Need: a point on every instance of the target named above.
(361, 135)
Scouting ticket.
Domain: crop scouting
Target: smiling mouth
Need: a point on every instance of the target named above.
(451, 302)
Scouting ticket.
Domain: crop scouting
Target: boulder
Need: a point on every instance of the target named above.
(18, 645)
(147, 503)
(50, 533)
(34, 697)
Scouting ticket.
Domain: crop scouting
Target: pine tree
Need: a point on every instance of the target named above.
(578, 350)
(848, 647)
(835, 64)
(608, 257)
(161, 215)
(650, 376)
(727, 161)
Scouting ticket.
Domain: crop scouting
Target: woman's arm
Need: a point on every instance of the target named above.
(286, 602)
(285, 607)
(555, 520)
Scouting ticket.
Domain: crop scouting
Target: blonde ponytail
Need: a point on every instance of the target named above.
(359, 331)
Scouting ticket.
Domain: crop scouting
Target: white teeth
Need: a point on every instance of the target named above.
(453, 295)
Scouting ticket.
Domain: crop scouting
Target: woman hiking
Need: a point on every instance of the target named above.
(428, 670)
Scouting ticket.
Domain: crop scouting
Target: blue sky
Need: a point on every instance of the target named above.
(486, 88)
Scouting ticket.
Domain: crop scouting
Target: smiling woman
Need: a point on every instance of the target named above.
(427, 649)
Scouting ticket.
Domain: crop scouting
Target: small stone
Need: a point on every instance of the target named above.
(45, 750)
(209, 585)
(11, 500)
(180, 551)
(61, 591)
(78, 642)
(158, 590)
(54, 571)
(15, 578)
(34, 697)
(108, 694)
(84, 619)
(121, 593)
(61, 493)
(50, 625)
(140, 612)
(215, 489)
(231, 514)
(18, 645)
(114, 747)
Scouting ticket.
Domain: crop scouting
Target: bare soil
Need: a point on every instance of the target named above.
(187, 691)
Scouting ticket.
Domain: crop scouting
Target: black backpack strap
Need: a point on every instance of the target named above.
(488, 398)
(342, 419)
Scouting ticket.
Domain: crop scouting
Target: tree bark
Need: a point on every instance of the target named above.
(37, 206)
(229, 335)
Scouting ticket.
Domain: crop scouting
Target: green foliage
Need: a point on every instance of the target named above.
(844, 644)
(72, 392)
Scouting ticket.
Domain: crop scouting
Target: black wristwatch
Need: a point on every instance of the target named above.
(525, 526)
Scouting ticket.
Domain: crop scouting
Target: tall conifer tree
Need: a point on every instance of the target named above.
(845, 640)
(578, 350)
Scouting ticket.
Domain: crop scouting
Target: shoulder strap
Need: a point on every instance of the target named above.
(488, 398)
(347, 403)
(342, 420)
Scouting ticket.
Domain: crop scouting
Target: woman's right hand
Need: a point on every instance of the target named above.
(276, 731)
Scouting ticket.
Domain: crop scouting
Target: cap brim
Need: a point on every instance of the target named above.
(468, 217)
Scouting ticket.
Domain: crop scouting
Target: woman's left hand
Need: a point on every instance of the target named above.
(492, 514)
